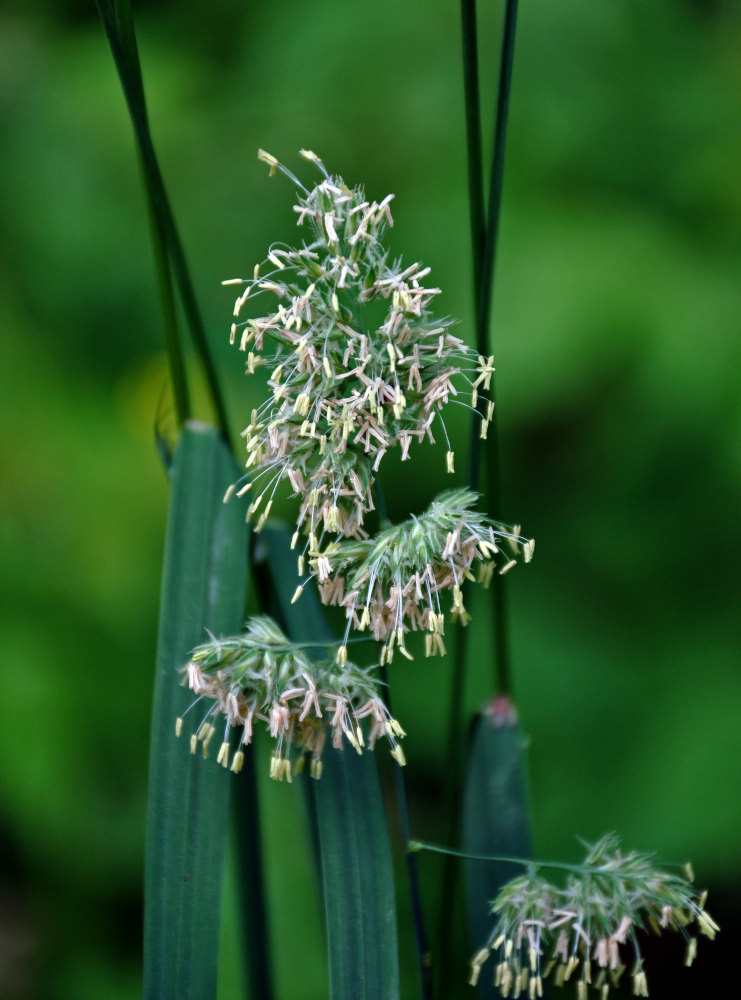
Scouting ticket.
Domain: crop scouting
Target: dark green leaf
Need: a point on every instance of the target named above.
(350, 822)
(203, 587)
(496, 817)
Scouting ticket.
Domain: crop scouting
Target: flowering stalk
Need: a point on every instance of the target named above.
(588, 924)
(345, 387)
(261, 675)
(393, 582)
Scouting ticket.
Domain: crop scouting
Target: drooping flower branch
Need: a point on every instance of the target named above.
(262, 676)
(586, 926)
(393, 582)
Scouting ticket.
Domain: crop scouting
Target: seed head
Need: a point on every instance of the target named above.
(262, 676)
(585, 927)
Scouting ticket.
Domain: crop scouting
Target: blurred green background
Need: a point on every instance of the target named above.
(617, 334)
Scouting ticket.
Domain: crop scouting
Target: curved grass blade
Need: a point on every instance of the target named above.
(350, 823)
(203, 587)
(118, 23)
(496, 818)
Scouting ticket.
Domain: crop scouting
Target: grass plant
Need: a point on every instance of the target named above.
(361, 367)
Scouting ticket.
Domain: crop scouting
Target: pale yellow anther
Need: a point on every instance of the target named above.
(223, 755)
(341, 655)
(450, 461)
(706, 924)
(392, 356)
(237, 762)
(256, 272)
(528, 549)
(335, 302)
(297, 593)
(294, 540)
(178, 726)
(266, 157)
(301, 406)
(484, 430)
(276, 260)
(691, 951)
(300, 565)
(507, 567)
(193, 743)
(327, 367)
(398, 754)
(232, 333)
(640, 984)
(229, 493)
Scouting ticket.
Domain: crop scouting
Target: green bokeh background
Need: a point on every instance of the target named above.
(617, 323)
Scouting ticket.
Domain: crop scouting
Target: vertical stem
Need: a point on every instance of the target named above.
(502, 671)
(484, 232)
(424, 957)
(253, 897)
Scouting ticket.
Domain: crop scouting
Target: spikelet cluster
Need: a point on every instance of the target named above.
(359, 365)
(588, 928)
(395, 581)
(261, 676)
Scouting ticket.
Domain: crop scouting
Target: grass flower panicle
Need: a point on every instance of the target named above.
(262, 676)
(393, 582)
(586, 926)
(359, 364)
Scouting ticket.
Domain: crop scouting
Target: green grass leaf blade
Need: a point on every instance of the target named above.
(496, 816)
(359, 904)
(204, 585)
(118, 24)
(350, 822)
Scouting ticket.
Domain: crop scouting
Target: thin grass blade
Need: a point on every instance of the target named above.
(203, 587)
(496, 816)
(118, 23)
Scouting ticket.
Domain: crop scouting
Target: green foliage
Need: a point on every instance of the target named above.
(618, 306)
(203, 589)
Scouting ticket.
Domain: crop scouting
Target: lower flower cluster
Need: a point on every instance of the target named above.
(584, 929)
(395, 581)
(262, 676)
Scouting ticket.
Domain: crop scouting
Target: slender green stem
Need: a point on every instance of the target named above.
(424, 957)
(415, 846)
(169, 317)
(119, 28)
(251, 861)
(477, 212)
(484, 232)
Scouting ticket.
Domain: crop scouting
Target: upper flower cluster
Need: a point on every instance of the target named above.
(359, 365)
(262, 675)
(587, 924)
